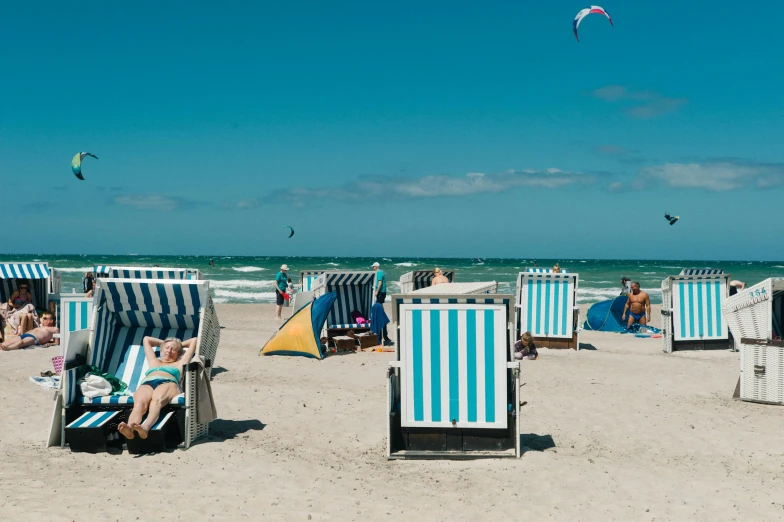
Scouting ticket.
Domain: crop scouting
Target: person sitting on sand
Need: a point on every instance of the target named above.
(41, 336)
(438, 277)
(160, 385)
(638, 304)
(525, 348)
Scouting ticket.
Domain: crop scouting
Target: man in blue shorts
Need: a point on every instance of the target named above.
(638, 304)
(281, 285)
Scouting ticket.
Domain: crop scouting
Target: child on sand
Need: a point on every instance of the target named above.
(525, 348)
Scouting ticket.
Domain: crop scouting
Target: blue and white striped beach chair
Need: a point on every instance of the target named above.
(147, 272)
(354, 293)
(692, 315)
(534, 270)
(453, 390)
(125, 312)
(43, 281)
(417, 279)
(76, 313)
(307, 278)
(546, 306)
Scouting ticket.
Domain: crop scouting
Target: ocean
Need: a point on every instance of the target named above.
(250, 279)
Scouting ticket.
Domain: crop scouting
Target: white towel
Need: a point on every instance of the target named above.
(50, 383)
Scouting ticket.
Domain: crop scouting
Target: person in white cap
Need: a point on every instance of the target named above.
(380, 290)
(281, 285)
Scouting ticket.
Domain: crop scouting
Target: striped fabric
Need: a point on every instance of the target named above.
(93, 419)
(696, 304)
(71, 391)
(75, 314)
(545, 270)
(454, 365)
(545, 304)
(126, 400)
(101, 270)
(354, 325)
(308, 278)
(453, 300)
(423, 278)
(478, 287)
(354, 292)
(130, 272)
(24, 271)
(163, 420)
(701, 271)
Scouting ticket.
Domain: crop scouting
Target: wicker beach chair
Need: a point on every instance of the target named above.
(44, 284)
(125, 312)
(417, 279)
(453, 388)
(546, 306)
(692, 316)
(354, 293)
(755, 317)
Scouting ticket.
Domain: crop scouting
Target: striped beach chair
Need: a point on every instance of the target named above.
(417, 279)
(75, 313)
(692, 316)
(43, 281)
(147, 272)
(354, 291)
(125, 312)
(478, 287)
(453, 388)
(546, 306)
(534, 270)
(101, 271)
(307, 278)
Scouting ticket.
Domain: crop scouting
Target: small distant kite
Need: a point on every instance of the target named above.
(594, 9)
(292, 230)
(76, 163)
(671, 219)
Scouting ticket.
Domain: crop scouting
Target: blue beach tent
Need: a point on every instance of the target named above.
(301, 333)
(605, 316)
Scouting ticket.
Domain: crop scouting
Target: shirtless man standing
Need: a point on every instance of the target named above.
(638, 304)
(42, 335)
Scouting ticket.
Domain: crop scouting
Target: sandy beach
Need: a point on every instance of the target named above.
(617, 431)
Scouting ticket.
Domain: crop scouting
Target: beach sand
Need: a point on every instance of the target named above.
(619, 431)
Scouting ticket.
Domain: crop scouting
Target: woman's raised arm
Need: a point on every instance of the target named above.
(190, 349)
(149, 344)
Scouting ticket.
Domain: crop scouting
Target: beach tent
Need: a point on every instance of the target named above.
(125, 311)
(453, 389)
(301, 333)
(354, 291)
(416, 279)
(546, 306)
(755, 316)
(483, 287)
(692, 316)
(605, 316)
(43, 281)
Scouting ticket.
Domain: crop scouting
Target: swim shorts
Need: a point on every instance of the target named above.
(31, 336)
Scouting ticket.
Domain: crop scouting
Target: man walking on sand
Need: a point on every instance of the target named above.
(281, 285)
(638, 304)
(380, 291)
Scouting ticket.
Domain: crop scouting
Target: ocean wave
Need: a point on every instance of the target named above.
(333, 264)
(248, 268)
(241, 283)
(246, 296)
(80, 270)
(386, 259)
(778, 266)
(406, 264)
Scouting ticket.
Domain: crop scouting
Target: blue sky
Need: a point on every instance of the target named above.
(395, 129)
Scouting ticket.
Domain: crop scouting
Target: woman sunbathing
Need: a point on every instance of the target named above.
(23, 316)
(160, 385)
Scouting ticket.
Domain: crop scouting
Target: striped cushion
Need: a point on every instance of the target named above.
(127, 399)
(93, 419)
(366, 325)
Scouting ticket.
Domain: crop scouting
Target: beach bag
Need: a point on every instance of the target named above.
(95, 386)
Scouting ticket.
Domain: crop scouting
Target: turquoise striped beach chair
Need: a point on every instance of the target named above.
(125, 312)
(76, 313)
(453, 388)
(307, 279)
(546, 306)
(692, 316)
(534, 270)
(354, 292)
(418, 279)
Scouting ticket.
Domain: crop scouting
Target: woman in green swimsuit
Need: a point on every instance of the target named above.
(160, 385)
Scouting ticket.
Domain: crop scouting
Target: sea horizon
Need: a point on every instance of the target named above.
(249, 279)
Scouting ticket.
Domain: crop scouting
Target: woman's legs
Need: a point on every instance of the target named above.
(26, 323)
(162, 396)
(141, 402)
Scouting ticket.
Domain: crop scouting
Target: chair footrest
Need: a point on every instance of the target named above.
(156, 438)
(94, 431)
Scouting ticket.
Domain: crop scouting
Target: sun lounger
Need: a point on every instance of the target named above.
(416, 279)
(546, 306)
(453, 388)
(692, 316)
(354, 293)
(125, 312)
(755, 316)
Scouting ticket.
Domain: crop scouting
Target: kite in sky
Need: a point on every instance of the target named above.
(290, 228)
(76, 163)
(671, 219)
(594, 9)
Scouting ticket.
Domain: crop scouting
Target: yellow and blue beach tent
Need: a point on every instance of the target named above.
(301, 333)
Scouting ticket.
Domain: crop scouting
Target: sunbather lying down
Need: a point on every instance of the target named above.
(160, 385)
(43, 335)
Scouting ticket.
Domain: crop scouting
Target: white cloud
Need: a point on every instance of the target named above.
(153, 201)
(645, 104)
(715, 175)
(434, 186)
